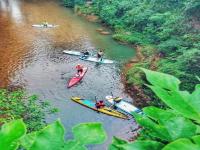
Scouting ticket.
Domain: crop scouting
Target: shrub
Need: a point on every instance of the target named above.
(17, 104)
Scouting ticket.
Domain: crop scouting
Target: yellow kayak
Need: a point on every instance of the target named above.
(106, 110)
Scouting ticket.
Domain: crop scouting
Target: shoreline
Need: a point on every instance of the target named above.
(135, 92)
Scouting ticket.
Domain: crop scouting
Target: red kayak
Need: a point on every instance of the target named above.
(77, 78)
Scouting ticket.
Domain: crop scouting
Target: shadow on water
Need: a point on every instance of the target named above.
(33, 58)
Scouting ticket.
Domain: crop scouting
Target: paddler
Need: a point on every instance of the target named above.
(100, 54)
(99, 104)
(79, 69)
(85, 54)
(117, 99)
(45, 24)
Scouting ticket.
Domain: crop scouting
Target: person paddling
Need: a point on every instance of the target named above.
(79, 69)
(85, 54)
(99, 104)
(100, 54)
(45, 24)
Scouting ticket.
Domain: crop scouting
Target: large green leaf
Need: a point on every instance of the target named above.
(196, 139)
(162, 80)
(49, 138)
(156, 130)
(27, 140)
(194, 98)
(158, 114)
(73, 145)
(182, 144)
(11, 133)
(166, 87)
(89, 133)
(142, 145)
(116, 142)
(183, 102)
(165, 124)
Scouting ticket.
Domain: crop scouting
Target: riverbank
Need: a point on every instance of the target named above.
(131, 76)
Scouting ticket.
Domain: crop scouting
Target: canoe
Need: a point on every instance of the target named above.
(42, 26)
(106, 110)
(123, 105)
(89, 58)
(76, 78)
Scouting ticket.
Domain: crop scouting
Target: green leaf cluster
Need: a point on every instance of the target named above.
(17, 104)
(177, 126)
(51, 137)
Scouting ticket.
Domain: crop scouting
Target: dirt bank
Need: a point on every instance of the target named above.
(136, 92)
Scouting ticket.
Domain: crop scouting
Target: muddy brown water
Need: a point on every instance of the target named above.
(33, 58)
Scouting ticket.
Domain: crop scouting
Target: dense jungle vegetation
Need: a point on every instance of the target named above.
(167, 32)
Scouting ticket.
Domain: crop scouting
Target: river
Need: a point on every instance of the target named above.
(33, 58)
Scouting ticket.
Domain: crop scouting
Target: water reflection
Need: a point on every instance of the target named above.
(13, 7)
(15, 10)
(3, 4)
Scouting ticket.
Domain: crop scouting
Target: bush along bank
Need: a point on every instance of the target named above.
(17, 104)
(167, 32)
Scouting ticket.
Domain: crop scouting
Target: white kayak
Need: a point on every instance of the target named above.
(72, 52)
(42, 26)
(123, 105)
(89, 58)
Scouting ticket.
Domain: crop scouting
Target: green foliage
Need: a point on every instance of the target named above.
(193, 9)
(161, 122)
(84, 133)
(85, 9)
(15, 105)
(148, 50)
(184, 144)
(170, 46)
(184, 66)
(168, 91)
(12, 135)
(134, 74)
(68, 3)
(176, 125)
(74, 145)
(133, 38)
(118, 144)
(107, 12)
(45, 138)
